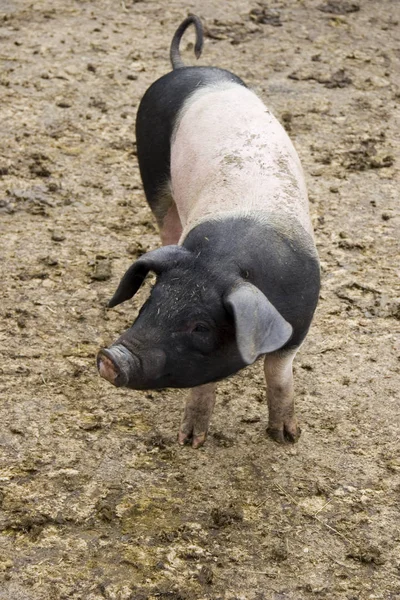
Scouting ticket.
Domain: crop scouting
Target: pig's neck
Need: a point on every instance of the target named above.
(242, 240)
(278, 258)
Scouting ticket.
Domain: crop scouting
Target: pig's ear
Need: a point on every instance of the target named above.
(260, 328)
(156, 260)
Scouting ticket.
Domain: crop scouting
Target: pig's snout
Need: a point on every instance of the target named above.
(116, 364)
(123, 368)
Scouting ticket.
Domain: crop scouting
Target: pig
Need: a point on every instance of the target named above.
(238, 274)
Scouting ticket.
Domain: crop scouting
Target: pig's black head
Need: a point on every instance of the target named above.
(198, 325)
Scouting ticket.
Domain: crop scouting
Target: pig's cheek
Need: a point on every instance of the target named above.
(203, 343)
(177, 348)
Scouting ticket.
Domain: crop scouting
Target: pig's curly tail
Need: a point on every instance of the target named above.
(174, 54)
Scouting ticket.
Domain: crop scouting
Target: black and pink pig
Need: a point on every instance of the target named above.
(238, 273)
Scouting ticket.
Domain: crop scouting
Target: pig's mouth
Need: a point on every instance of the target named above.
(114, 364)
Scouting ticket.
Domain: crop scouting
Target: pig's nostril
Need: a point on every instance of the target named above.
(107, 369)
(115, 364)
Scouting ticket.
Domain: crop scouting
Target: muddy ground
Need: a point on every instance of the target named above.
(97, 500)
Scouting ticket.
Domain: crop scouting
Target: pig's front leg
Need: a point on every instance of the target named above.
(197, 415)
(282, 424)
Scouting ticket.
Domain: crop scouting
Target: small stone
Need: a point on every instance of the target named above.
(58, 235)
(266, 16)
(101, 269)
(91, 423)
(72, 70)
(287, 120)
(381, 161)
(307, 366)
(339, 79)
(63, 104)
(206, 575)
(50, 261)
(48, 283)
(346, 244)
(339, 7)
(227, 515)
(136, 249)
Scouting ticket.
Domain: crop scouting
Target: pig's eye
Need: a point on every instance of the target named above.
(200, 328)
(201, 337)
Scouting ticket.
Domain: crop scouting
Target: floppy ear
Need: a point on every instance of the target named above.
(260, 328)
(156, 260)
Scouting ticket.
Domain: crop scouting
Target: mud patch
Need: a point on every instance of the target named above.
(97, 499)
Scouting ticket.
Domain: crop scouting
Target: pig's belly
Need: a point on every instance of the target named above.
(230, 156)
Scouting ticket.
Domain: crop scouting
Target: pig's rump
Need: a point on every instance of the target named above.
(230, 156)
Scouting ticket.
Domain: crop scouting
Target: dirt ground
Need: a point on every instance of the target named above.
(97, 500)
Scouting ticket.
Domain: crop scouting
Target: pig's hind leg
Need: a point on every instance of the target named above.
(197, 415)
(282, 424)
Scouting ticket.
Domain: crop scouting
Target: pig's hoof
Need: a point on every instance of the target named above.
(288, 433)
(196, 441)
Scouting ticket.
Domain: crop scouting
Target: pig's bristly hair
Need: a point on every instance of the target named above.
(174, 54)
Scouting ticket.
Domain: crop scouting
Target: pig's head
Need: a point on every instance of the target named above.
(198, 325)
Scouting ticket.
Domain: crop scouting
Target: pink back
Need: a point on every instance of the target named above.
(230, 156)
